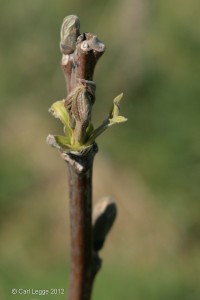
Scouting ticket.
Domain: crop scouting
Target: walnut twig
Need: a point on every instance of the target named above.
(80, 54)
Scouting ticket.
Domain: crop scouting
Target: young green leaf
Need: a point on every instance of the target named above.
(112, 119)
(59, 111)
(58, 141)
(115, 108)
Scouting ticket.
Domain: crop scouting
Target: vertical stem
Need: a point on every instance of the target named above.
(81, 53)
(80, 192)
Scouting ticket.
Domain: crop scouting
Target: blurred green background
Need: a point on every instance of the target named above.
(150, 165)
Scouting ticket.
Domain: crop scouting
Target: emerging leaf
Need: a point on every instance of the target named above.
(58, 141)
(112, 119)
(116, 120)
(115, 108)
(68, 143)
(59, 111)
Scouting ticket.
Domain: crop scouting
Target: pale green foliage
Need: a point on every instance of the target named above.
(68, 142)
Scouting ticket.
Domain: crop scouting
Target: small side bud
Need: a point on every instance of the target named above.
(103, 218)
(70, 30)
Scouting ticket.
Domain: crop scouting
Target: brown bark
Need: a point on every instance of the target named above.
(80, 191)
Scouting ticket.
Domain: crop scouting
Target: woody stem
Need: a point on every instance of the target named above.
(80, 191)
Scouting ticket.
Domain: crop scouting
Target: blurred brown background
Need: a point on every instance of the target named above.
(150, 165)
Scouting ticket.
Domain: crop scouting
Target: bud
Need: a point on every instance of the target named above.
(70, 30)
(104, 215)
(81, 108)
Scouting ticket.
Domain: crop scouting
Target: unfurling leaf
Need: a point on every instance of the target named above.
(69, 142)
(115, 108)
(112, 119)
(59, 111)
(117, 120)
